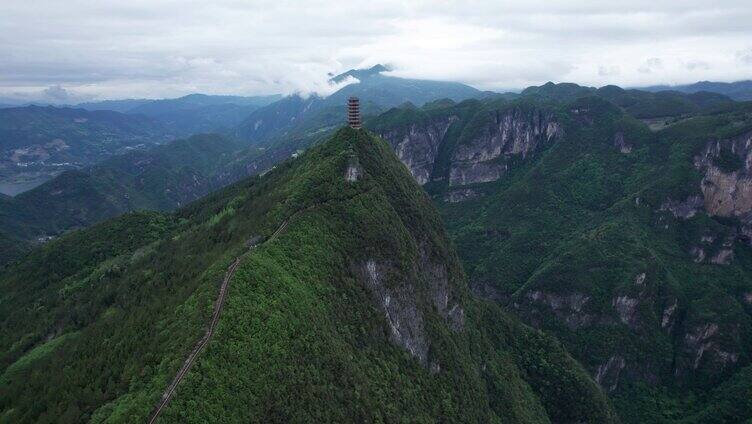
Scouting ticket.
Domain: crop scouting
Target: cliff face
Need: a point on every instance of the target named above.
(478, 151)
(514, 132)
(726, 191)
(727, 181)
(417, 144)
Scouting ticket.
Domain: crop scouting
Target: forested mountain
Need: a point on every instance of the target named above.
(739, 90)
(298, 116)
(122, 106)
(640, 104)
(191, 114)
(631, 245)
(37, 143)
(162, 178)
(346, 302)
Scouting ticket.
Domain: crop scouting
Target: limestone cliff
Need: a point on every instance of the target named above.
(417, 145)
(519, 132)
(480, 148)
(727, 182)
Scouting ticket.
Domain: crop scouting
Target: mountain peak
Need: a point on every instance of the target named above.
(334, 267)
(360, 74)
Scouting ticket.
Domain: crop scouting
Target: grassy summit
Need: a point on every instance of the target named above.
(357, 311)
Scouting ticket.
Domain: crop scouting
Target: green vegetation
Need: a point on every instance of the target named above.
(96, 323)
(161, 178)
(638, 103)
(11, 248)
(575, 239)
(570, 235)
(727, 161)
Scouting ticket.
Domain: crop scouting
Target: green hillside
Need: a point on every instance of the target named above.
(161, 178)
(356, 310)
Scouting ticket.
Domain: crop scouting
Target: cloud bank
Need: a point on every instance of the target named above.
(79, 49)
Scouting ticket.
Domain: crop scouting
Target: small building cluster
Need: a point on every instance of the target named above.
(353, 112)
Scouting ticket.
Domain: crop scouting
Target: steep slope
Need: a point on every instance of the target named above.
(357, 310)
(11, 248)
(37, 143)
(279, 118)
(631, 246)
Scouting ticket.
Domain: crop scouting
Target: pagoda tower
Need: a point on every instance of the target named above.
(353, 112)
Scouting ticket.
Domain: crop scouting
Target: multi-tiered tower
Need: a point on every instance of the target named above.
(353, 112)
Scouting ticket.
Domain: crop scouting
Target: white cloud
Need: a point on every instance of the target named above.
(698, 65)
(744, 56)
(157, 48)
(57, 93)
(608, 71)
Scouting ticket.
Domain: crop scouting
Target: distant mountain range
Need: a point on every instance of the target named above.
(168, 176)
(191, 114)
(39, 142)
(638, 103)
(740, 90)
(276, 131)
(296, 115)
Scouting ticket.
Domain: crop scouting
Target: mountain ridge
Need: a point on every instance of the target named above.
(386, 312)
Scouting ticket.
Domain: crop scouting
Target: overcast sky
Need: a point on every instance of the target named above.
(72, 50)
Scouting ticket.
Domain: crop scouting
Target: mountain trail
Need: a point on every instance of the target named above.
(201, 344)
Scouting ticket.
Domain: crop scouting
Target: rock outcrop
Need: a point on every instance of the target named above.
(703, 348)
(607, 374)
(479, 156)
(626, 308)
(621, 144)
(727, 191)
(726, 188)
(513, 132)
(399, 299)
(668, 316)
(398, 304)
(567, 308)
(417, 145)
(353, 171)
(727, 184)
(683, 209)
